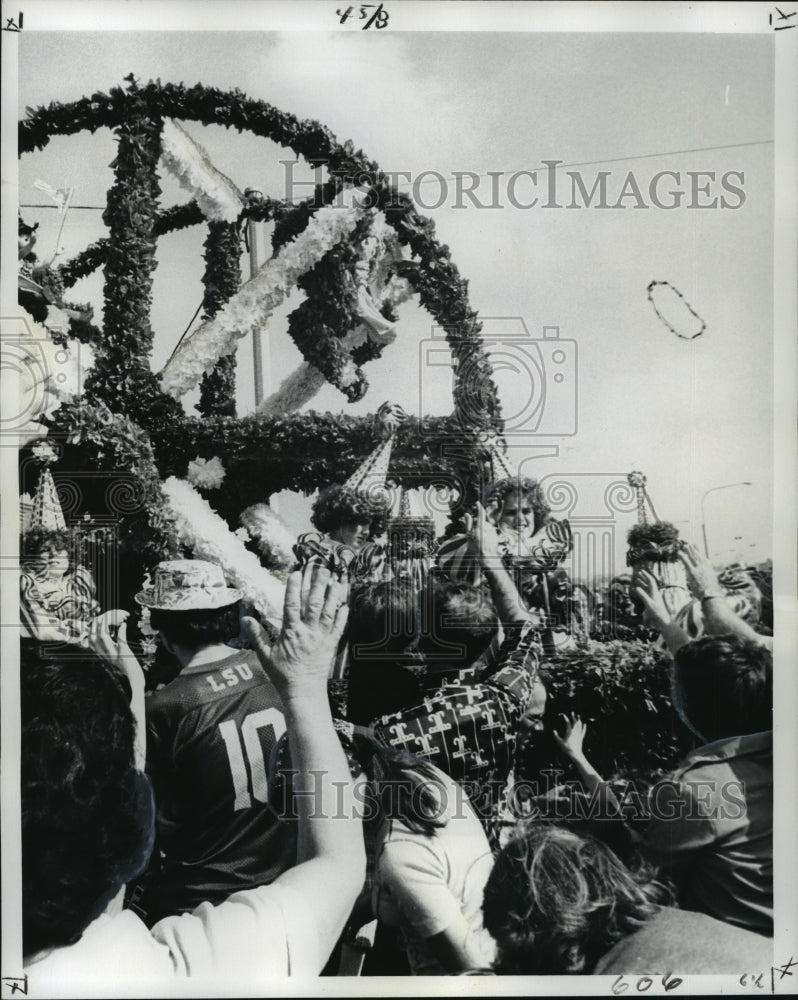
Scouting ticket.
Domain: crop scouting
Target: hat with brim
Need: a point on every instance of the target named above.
(188, 585)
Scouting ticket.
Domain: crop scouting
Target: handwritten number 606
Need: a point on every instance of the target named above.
(644, 983)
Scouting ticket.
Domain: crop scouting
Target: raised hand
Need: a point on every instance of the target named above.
(647, 590)
(484, 536)
(314, 616)
(115, 650)
(575, 731)
(701, 577)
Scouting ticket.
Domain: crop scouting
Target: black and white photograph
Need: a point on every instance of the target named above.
(398, 529)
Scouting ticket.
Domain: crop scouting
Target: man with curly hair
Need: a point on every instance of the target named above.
(344, 515)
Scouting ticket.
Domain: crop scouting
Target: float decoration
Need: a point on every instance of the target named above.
(127, 422)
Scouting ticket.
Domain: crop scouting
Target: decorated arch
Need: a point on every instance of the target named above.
(356, 248)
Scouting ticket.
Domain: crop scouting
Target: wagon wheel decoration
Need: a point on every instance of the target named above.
(356, 248)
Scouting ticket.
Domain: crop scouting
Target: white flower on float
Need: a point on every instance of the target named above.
(206, 474)
(207, 535)
(44, 452)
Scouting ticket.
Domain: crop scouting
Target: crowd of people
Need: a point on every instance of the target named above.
(234, 824)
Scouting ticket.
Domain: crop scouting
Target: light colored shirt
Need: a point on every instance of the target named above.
(424, 882)
(253, 937)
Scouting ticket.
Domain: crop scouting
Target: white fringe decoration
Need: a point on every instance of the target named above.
(257, 298)
(217, 196)
(201, 529)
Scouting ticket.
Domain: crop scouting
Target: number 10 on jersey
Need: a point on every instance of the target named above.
(245, 754)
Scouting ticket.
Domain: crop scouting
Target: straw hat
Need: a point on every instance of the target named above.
(188, 585)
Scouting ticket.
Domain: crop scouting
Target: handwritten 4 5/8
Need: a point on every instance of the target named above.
(379, 18)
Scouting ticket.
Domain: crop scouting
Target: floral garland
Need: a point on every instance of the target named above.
(169, 221)
(625, 688)
(318, 332)
(221, 280)
(274, 542)
(121, 376)
(186, 160)
(443, 292)
(431, 273)
(200, 529)
(378, 251)
(294, 391)
(257, 298)
(298, 451)
(340, 305)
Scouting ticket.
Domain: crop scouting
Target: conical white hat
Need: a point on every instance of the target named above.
(500, 466)
(47, 513)
(373, 471)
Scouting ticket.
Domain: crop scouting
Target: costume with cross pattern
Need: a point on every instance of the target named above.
(466, 722)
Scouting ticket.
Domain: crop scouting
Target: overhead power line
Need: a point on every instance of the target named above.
(560, 166)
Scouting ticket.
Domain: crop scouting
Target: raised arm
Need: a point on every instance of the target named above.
(331, 855)
(506, 599)
(719, 618)
(119, 654)
(571, 744)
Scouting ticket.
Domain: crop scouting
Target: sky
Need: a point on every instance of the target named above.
(693, 415)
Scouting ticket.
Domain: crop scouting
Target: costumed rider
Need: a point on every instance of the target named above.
(58, 600)
(531, 543)
(350, 514)
(343, 516)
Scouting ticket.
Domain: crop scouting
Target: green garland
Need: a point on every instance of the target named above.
(329, 312)
(300, 451)
(169, 221)
(441, 289)
(624, 689)
(303, 451)
(99, 446)
(122, 367)
(221, 280)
